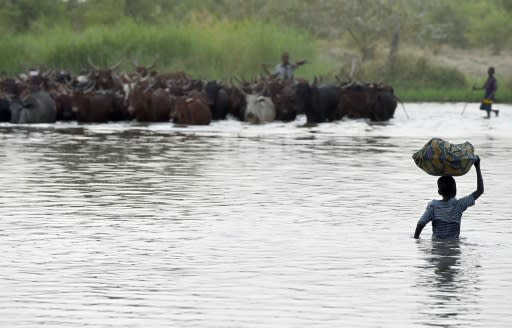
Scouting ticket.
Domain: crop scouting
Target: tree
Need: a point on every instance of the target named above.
(491, 26)
(22, 15)
(493, 30)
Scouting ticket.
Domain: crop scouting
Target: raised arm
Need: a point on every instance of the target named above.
(479, 181)
(301, 62)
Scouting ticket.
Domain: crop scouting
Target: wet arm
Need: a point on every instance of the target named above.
(425, 218)
(479, 181)
(419, 228)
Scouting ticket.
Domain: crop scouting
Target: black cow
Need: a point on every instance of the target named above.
(385, 105)
(38, 107)
(64, 107)
(320, 104)
(218, 100)
(15, 106)
(5, 111)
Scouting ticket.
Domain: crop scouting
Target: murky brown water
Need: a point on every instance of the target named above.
(234, 225)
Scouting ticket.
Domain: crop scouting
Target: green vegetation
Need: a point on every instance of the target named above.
(446, 95)
(224, 38)
(202, 48)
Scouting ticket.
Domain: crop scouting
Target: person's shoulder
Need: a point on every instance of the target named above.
(433, 202)
(467, 198)
(466, 201)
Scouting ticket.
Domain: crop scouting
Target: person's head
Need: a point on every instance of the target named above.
(285, 58)
(447, 187)
(490, 71)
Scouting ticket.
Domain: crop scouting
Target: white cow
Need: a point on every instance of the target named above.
(259, 109)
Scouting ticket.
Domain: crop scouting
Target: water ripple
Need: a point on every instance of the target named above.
(232, 225)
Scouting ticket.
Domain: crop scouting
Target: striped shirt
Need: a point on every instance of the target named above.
(446, 216)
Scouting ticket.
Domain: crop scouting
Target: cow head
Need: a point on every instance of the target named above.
(145, 71)
(104, 77)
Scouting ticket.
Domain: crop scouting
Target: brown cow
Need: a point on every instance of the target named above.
(355, 102)
(92, 108)
(105, 78)
(190, 111)
(372, 101)
(148, 105)
(282, 93)
(145, 71)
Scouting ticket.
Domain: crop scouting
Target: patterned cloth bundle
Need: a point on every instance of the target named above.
(439, 157)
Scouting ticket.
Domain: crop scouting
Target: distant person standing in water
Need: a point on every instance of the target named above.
(285, 70)
(490, 86)
(446, 214)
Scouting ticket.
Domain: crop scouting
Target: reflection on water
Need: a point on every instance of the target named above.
(233, 225)
(450, 278)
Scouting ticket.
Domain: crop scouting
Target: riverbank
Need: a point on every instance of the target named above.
(207, 48)
(447, 95)
(203, 48)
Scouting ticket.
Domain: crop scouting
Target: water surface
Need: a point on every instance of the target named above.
(233, 225)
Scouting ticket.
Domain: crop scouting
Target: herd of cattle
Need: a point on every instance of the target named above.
(100, 95)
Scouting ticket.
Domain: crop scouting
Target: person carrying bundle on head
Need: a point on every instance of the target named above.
(446, 214)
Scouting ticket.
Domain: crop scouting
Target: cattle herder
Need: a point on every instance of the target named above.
(285, 70)
(490, 86)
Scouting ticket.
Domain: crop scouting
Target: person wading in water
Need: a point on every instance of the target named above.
(490, 86)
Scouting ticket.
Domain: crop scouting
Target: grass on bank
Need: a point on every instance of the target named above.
(202, 47)
(447, 95)
(209, 48)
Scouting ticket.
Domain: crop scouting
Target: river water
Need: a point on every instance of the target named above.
(233, 225)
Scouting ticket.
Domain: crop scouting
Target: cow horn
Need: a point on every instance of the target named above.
(349, 84)
(47, 73)
(237, 80)
(126, 77)
(89, 60)
(91, 88)
(150, 86)
(154, 62)
(354, 68)
(116, 65)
